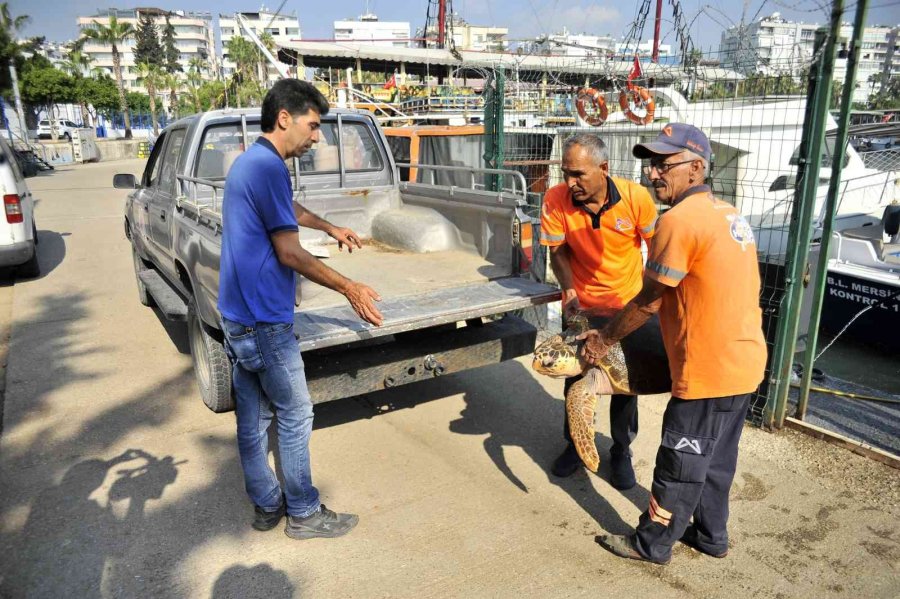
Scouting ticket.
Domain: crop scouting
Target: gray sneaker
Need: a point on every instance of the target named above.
(324, 523)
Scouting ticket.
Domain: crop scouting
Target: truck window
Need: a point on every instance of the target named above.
(170, 159)
(220, 145)
(151, 171)
(360, 151)
(323, 157)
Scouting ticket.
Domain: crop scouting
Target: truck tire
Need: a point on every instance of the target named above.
(143, 296)
(212, 368)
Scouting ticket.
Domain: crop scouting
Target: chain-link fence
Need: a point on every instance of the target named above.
(752, 113)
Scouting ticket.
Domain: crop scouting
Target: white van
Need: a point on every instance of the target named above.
(18, 233)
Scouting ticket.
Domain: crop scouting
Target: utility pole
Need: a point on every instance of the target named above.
(23, 128)
(656, 24)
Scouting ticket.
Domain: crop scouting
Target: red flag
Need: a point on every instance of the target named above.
(635, 71)
(391, 83)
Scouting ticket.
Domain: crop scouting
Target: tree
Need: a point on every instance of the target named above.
(147, 49)
(196, 67)
(269, 42)
(172, 82)
(78, 65)
(152, 77)
(887, 97)
(10, 49)
(211, 95)
(46, 87)
(170, 50)
(99, 94)
(112, 35)
(139, 102)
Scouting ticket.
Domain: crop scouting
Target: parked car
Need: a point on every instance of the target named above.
(64, 129)
(18, 232)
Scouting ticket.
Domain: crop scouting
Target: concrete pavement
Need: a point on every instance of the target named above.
(116, 481)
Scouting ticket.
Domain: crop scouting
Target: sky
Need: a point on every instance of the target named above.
(56, 19)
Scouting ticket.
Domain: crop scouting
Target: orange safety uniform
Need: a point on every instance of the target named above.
(711, 320)
(607, 266)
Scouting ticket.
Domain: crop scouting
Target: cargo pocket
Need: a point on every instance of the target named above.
(242, 346)
(683, 457)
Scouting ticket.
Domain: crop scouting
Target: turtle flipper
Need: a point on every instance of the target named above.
(580, 405)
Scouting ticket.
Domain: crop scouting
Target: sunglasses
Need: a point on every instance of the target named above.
(663, 167)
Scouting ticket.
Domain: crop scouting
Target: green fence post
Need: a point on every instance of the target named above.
(800, 232)
(831, 200)
(493, 127)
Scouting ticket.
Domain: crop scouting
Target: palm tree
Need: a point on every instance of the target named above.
(269, 42)
(196, 67)
(172, 82)
(79, 65)
(10, 50)
(153, 78)
(112, 35)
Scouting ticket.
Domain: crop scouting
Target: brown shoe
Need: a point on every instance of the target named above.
(623, 546)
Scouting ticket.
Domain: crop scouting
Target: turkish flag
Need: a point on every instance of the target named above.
(391, 83)
(635, 71)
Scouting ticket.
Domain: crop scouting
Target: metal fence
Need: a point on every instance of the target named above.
(755, 123)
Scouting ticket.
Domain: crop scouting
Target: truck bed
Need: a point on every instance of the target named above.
(417, 291)
(396, 273)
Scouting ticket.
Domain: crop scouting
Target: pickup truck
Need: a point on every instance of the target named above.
(451, 263)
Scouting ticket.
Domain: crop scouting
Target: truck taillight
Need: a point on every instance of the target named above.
(522, 235)
(13, 208)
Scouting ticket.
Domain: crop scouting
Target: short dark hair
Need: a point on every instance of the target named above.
(295, 96)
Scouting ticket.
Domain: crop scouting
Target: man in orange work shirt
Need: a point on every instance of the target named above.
(703, 279)
(593, 225)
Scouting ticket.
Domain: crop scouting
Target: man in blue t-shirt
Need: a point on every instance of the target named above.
(260, 253)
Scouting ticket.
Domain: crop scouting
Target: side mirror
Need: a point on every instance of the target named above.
(125, 181)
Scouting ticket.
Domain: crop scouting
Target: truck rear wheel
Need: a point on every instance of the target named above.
(212, 368)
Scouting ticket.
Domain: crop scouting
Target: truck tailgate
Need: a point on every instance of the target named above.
(336, 325)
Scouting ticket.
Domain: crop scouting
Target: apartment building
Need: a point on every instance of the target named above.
(281, 27)
(774, 45)
(466, 36)
(370, 31)
(194, 38)
(579, 45)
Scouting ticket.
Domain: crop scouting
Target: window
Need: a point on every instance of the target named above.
(170, 159)
(292, 31)
(360, 151)
(273, 30)
(151, 171)
(220, 146)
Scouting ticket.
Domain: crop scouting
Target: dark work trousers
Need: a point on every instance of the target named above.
(694, 469)
(623, 420)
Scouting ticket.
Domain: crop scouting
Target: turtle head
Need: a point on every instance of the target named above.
(559, 357)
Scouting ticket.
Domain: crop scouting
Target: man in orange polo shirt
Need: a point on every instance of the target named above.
(703, 279)
(593, 225)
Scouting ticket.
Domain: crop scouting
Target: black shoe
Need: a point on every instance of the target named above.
(623, 546)
(567, 463)
(689, 538)
(622, 473)
(268, 520)
(324, 523)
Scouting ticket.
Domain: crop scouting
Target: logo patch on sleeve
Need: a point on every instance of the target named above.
(740, 230)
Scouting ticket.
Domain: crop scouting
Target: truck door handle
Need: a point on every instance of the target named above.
(146, 208)
(162, 215)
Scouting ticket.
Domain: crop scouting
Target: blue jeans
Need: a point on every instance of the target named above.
(269, 380)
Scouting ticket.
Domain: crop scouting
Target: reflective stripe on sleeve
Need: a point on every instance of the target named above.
(650, 227)
(549, 237)
(675, 275)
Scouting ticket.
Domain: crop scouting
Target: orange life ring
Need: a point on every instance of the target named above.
(642, 99)
(601, 111)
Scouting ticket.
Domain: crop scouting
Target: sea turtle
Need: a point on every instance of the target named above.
(637, 365)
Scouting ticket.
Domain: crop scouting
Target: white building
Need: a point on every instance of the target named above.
(193, 38)
(282, 28)
(370, 31)
(774, 46)
(771, 46)
(574, 44)
(465, 36)
(644, 50)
